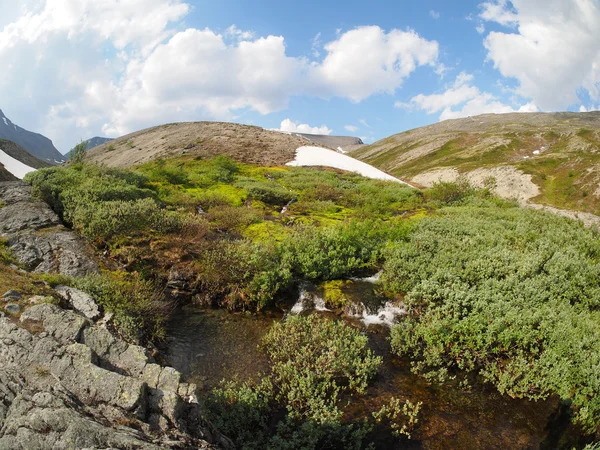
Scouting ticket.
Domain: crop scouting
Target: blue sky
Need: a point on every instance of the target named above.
(74, 69)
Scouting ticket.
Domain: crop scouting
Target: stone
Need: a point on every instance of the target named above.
(64, 326)
(13, 308)
(12, 295)
(80, 301)
(29, 215)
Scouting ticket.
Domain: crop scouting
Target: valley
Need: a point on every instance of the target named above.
(446, 313)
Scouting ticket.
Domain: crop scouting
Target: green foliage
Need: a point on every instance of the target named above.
(449, 193)
(241, 273)
(334, 252)
(269, 193)
(138, 312)
(313, 361)
(402, 417)
(6, 256)
(2, 204)
(78, 153)
(509, 293)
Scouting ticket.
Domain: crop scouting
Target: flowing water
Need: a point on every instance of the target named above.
(208, 345)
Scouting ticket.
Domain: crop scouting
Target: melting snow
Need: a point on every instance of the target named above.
(536, 152)
(14, 166)
(317, 156)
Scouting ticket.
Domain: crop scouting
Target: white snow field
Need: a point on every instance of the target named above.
(317, 156)
(14, 166)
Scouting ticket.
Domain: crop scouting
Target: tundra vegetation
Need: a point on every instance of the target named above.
(509, 295)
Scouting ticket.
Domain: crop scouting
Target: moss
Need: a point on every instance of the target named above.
(267, 231)
(333, 293)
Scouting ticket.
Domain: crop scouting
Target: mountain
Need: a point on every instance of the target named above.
(36, 144)
(242, 143)
(340, 143)
(15, 161)
(90, 143)
(20, 154)
(546, 158)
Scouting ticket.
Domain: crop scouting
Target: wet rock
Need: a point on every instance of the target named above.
(13, 308)
(12, 296)
(80, 301)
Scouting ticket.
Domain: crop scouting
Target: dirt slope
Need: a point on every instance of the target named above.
(243, 143)
(559, 153)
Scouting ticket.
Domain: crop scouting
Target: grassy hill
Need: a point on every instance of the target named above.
(243, 143)
(548, 158)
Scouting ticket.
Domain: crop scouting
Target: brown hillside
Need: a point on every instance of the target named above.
(248, 144)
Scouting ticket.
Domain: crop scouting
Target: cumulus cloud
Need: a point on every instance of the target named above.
(367, 61)
(462, 99)
(294, 127)
(120, 65)
(551, 49)
(351, 128)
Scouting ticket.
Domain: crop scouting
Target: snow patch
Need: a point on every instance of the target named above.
(317, 156)
(14, 166)
(5, 122)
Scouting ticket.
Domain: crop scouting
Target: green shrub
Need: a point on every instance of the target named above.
(78, 153)
(139, 313)
(449, 193)
(510, 294)
(313, 361)
(269, 193)
(229, 218)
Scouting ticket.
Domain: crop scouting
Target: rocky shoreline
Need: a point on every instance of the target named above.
(65, 380)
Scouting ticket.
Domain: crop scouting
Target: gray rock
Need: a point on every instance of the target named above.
(13, 308)
(14, 192)
(12, 295)
(80, 301)
(30, 215)
(64, 326)
(57, 251)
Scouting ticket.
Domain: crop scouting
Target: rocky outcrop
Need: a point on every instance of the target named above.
(80, 301)
(66, 382)
(36, 236)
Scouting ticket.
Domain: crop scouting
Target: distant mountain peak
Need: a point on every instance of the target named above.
(36, 144)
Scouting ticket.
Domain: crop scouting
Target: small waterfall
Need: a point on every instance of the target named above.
(385, 315)
(308, 300)
(372, 279)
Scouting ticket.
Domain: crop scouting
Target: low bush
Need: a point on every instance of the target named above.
(510, 294)
(313, 362)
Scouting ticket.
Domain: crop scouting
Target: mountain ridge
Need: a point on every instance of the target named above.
(36, 144)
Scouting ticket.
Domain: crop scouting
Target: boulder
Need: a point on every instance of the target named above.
(12, 295)
(80, 301)
(13, 308)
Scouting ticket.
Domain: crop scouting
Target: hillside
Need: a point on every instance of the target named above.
(243, 143)
(36, 144)
(345, 143)
(546, 158)
(20, 154)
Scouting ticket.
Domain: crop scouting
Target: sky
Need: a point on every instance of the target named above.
(74, 69)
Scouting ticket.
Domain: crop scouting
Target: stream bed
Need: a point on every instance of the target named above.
(208, 345)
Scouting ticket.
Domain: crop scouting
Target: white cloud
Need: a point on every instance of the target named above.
(367, 61)
(462, 99)
(364, 123)
(316, 45)
(75, 68)
(294, 127)
(434, 14)
(480, 28)
(237, 34)
(351, 128)
(552, 49)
